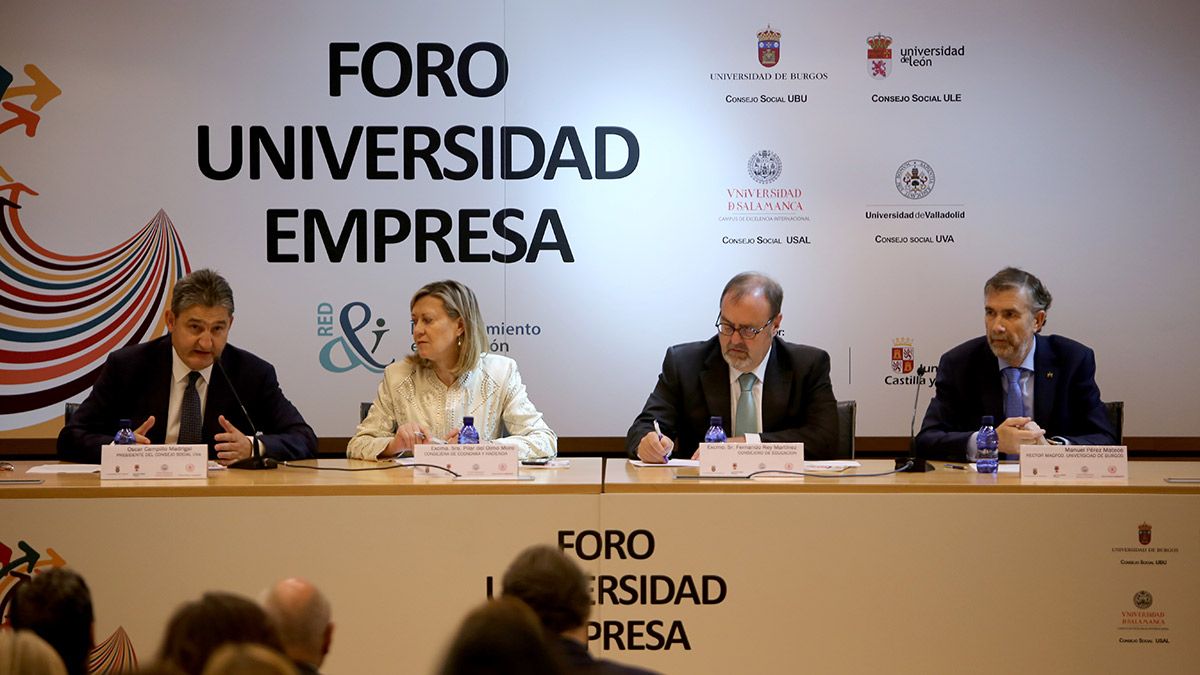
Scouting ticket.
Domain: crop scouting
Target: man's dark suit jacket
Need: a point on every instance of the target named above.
(136, 383)
(797, 401)
(579, 662)
(1066, 400)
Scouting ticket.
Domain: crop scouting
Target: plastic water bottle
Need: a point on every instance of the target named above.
(468, 434)
(986, 443)
(715, 433)
(125, 434)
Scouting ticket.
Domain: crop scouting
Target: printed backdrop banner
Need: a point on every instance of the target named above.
(596, 172)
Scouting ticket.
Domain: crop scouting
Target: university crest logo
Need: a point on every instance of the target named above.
(768, 47)
(915, 179)
(879, 55)
(764, 167)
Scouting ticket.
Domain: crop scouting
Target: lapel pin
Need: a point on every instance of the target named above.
(1050, 375)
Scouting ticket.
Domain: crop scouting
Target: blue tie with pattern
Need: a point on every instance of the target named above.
(1014, 400)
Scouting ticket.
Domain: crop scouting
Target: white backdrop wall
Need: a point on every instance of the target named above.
(1069, 153)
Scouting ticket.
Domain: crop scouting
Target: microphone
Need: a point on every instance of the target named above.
(255, 462)
(914, 463)
(912, 426)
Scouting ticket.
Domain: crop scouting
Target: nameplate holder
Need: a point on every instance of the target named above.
(1089, 463)
(142, 462)
(472, 460)
(742, 459)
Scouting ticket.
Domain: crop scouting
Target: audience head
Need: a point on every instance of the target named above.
(501, 637)
(302, 616)
(57, 605)
(22, 652)
(200, 627)
(247, 659)
(552, 585)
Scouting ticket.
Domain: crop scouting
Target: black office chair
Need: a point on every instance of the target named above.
(363, 409)
(847, 411)
(69, 412)
(1116, 417)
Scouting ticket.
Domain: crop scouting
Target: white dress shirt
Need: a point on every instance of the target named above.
(179, 380)
(735, 392)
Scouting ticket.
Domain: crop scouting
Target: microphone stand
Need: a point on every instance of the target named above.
(912, 463)
(256, 461)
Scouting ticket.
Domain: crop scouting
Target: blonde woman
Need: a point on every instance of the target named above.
(450, 376)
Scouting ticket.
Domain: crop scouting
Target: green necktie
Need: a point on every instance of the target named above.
(747, 412)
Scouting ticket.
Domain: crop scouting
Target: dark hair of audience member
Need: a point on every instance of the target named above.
(200, 627)
(552, 585)
(57, 605)
(498, 638)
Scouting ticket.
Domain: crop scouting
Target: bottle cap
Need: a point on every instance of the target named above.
(714, 421)
(126, 424)
(468, 421)
(988, 420)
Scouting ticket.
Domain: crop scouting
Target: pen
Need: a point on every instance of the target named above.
(658, 430)
(955, 466)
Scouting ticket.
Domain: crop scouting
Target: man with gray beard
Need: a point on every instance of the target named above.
(763, 388)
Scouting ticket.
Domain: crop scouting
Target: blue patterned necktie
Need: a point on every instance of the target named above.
(747, 412)
(189, 412)
(1014, 400)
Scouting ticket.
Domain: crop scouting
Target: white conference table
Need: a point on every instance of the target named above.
(902, 573)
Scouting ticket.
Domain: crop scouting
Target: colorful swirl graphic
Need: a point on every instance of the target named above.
(114, 655)
(60, 315)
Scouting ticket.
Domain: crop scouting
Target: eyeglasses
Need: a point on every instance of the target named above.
(747, 333)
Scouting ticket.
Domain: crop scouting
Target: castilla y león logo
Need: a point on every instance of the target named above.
(902, 355)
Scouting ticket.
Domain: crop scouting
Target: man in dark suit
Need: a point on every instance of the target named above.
(764, 389)
(1043, 388)
(171, 390)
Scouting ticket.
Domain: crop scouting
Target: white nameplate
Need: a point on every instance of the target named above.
(140, 462)
(743, 459)
(1100, 463)
(482, 460)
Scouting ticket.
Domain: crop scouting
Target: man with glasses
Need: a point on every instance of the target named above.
(764, 389)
